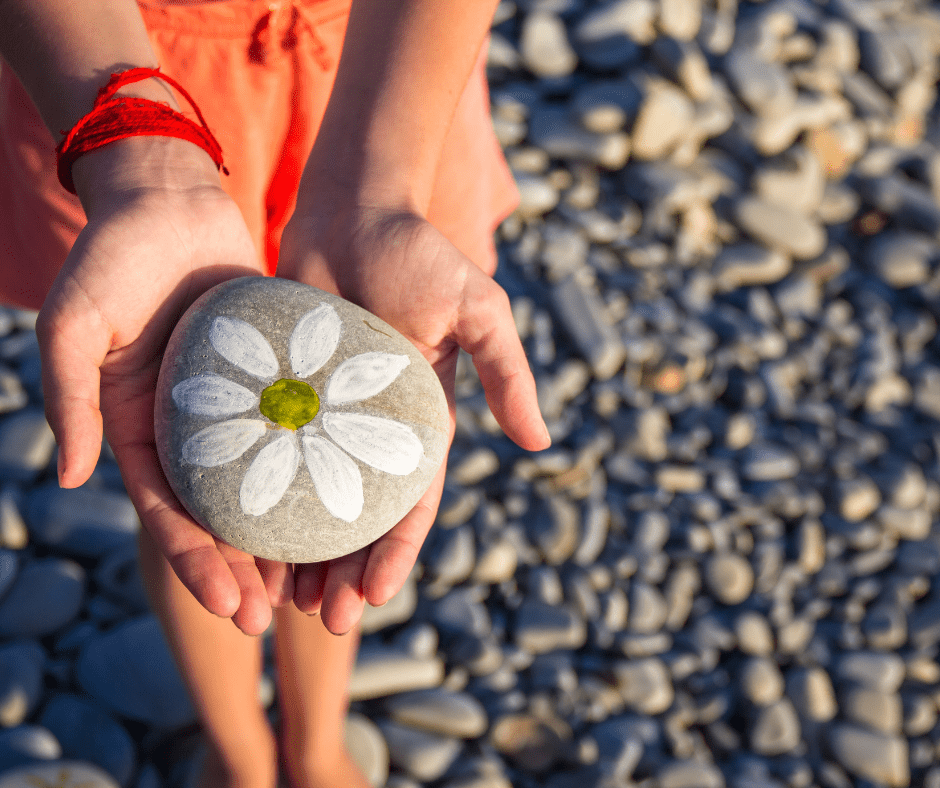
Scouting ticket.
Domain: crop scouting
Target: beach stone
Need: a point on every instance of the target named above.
(21, 680)
(761, 681)
(13, 531)
(879, 711)
(662, 122)
(399, 609)
(648, 609)
(645, 684)
(294, 425)
(781, 228)
(46, 595)
(27, 744)
(811, 692)
(26, 445)
(877, 670)
(87, 733)
(754, 634)
(382, 670)
(541, 627)
(439, 711)
(118, 575)
(608, 36)
(60, 774)
(776, 729)
(130, 671)
(747, 264)
(729, 577)
(873, 756)
(557, 132)
(766, 463)
(901, 258)
(423, 756)
(606, 106)
(9, 567)
(529, 741)
(544, 45)
(84, 522)
(367, 748)
(690, 774)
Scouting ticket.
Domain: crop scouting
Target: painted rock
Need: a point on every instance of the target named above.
(293, 424)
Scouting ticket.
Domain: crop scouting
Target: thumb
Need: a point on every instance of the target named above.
(485, 329)
(73, 343)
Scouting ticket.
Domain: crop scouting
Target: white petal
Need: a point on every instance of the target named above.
(243, 345)
(364, 376)
(336, 477)
(212, 395)
(220, 443)
(314, 339)
(269, 475)
(383, 444)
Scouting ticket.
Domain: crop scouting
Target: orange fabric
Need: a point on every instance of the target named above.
(261, 73)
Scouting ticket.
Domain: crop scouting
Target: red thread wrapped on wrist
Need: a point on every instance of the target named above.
(114, 118)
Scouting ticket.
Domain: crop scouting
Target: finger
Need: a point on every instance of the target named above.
(278, 579)
(308, 587)
(343, 602)
(485, 329)
(254, 613)
(73, 342)
(191, 550)
(393, 555)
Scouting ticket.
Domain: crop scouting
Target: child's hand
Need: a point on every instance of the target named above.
(160, 233)
(396, 265)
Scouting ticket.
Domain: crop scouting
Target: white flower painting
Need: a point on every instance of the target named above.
(300, 425)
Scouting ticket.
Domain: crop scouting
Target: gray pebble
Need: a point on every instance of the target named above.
(26, 445)
(775, 729)
(367, 747)
(879, 711)
(381, 671)
(86, 733)
(540, 627)
(63, 774)
(27, 744)
(811, 692)
(85, 522)
(46, 595)
(439, 711)
(130, 671)
(870, 755)
(21, 680)
(423, 756)
(544, 46)
(729, 577)
(761, 681)
(645, 685)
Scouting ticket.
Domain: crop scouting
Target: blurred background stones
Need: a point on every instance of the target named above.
(726, 273)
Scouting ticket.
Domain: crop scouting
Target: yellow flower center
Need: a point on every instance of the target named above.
(290, 403)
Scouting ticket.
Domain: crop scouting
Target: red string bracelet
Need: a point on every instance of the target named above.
(114, 118)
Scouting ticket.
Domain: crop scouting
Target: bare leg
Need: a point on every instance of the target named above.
(221, 667)
(313, 670)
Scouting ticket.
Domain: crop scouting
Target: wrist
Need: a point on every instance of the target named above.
(142, 163)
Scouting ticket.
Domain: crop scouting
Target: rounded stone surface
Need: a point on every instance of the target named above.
(293, 424)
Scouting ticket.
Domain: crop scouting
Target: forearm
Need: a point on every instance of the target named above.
(64, 51)
(404, 66)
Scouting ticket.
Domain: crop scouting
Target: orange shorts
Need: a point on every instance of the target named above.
(261, 73)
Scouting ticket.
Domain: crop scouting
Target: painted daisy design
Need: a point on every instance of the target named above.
(299, 424)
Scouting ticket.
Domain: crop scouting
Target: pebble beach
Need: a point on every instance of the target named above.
(725, 269)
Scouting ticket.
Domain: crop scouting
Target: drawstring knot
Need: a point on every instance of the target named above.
(263, 34)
